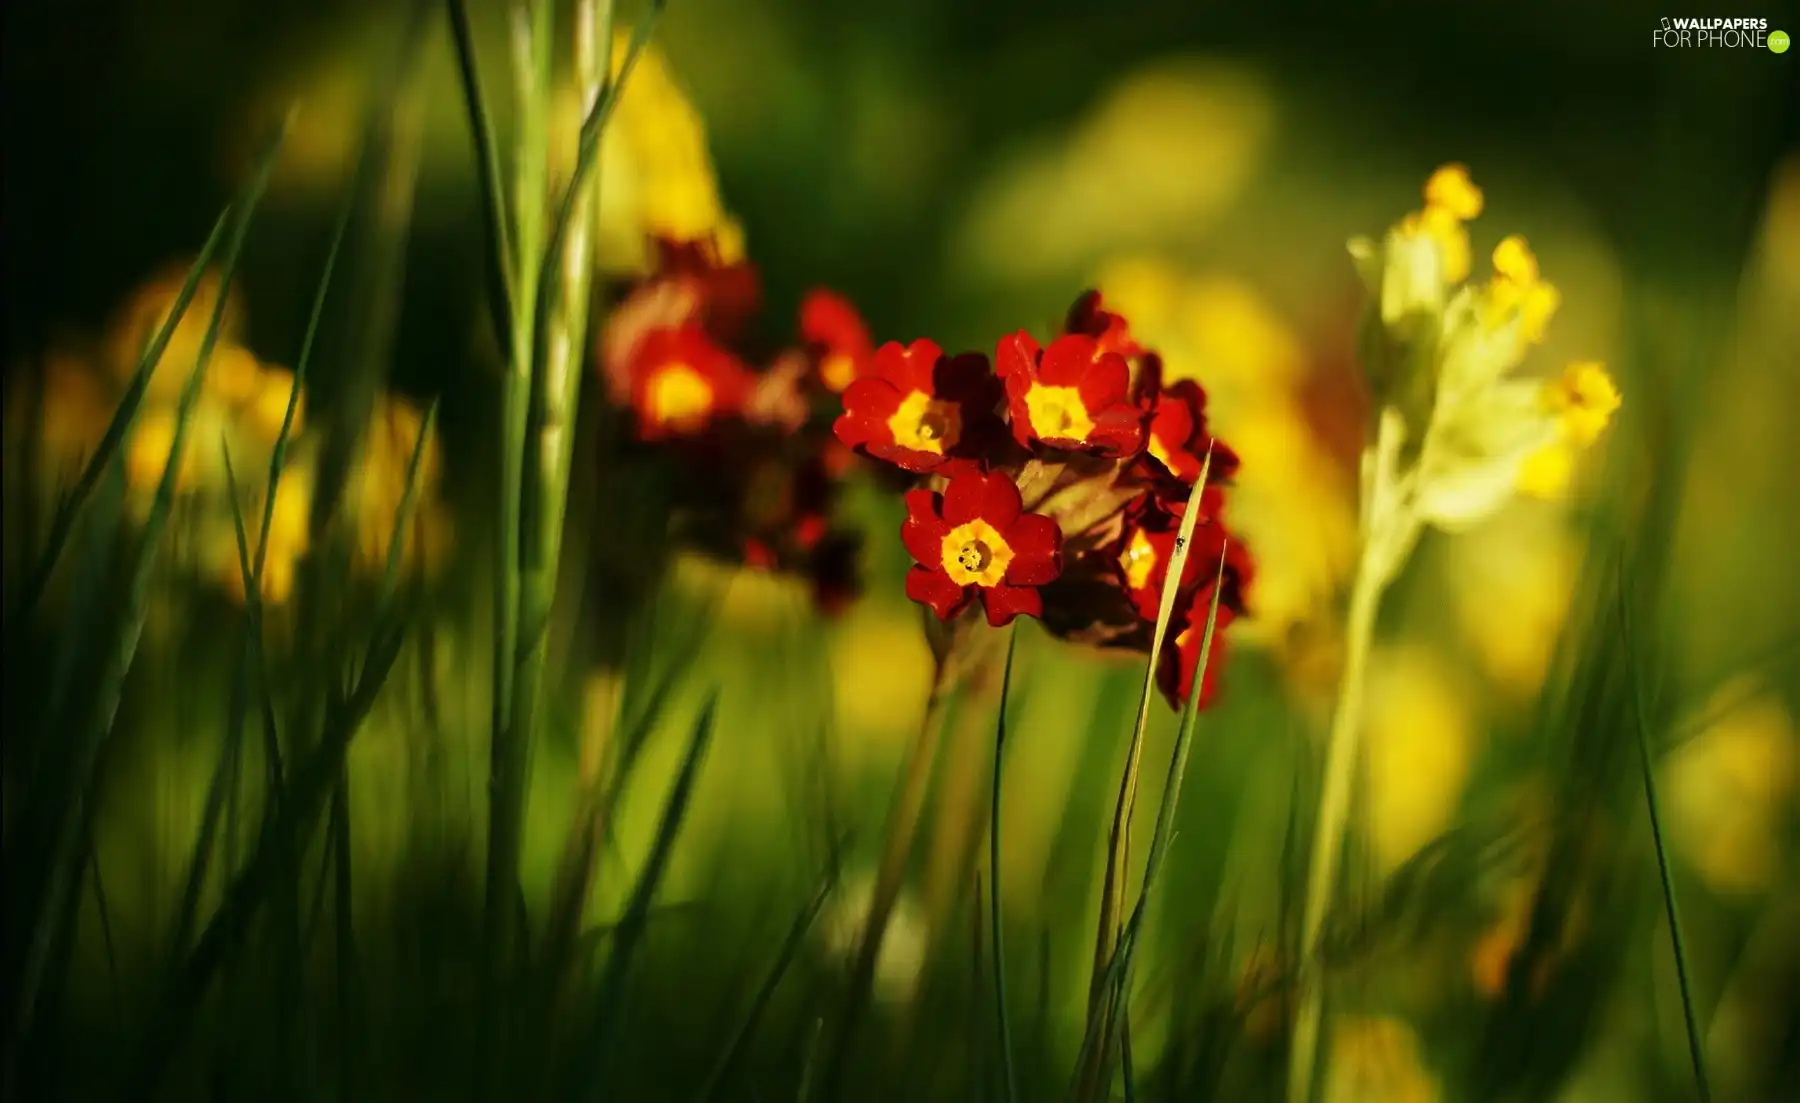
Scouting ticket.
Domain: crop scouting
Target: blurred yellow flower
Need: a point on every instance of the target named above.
(1292, 502)
(1425, 254)
(1156, 162)
(1487, 432)
(148, 308)
(289, 538)
(1510, 588)
(658, 172)
(1420, 745)
(378, 489)
(1730, 787)
(73, 410)
(1377, 1060)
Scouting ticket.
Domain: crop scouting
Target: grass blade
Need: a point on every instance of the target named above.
(55, 901)
(784, 959)
(643, 895)
(1091, 1076)
(490, 176)
(62, 525)
(1008, 1077)
(1677, 944)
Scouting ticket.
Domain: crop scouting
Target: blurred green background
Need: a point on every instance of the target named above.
(962, 171)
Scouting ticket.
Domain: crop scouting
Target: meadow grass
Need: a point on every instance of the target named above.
(523, 798)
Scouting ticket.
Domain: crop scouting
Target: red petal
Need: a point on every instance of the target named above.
(923, 531)
(1016, 355)
(873, 398)
(991, 497)
(919, 365)
(1118, 432)
(1105, 383)
(829, 319)
(1068, 360)
(934, 589)
(1003, 603)
(1037, 551)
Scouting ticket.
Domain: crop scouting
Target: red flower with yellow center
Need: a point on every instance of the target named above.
(1181, 657)
(840, 340)
(1074, 394)
(681, 382)
(1148, 546)
(919, 409)
(1178, 439)
(976, 539)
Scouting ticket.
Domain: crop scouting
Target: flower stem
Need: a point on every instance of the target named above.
(890, 876)
(1341, 758)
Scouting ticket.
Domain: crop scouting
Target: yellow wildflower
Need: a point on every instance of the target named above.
(1159, 161)
(1730, 787)
(289, 538)
(1425, 254)
(152, 440)
(659, 173)
(1510, 591)
(73, 410)
(1377, 1060)
(1292, 501)
(1449, 189)
(1420, 749)
(145, 312)
(379, 490)
(264, 412)
(1488, 434)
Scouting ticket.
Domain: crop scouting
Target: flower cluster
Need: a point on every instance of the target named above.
(677, 356)
(1443, 355)
(1056, 478)
(243, 403)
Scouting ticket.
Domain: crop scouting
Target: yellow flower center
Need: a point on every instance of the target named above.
(1451, 189)
(838, 371)
(1138, 560)
(678, 394)
(926, 424)
(1057, 413)
(975, 554)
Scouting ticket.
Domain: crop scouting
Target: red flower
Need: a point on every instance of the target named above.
(1074, 394)
(726, 295)
(975, 538)
(1111, 330)
(1181, 656)
(1147, 546)
(919, 409)
(1178, 439)
(839, 339)
(681, 382)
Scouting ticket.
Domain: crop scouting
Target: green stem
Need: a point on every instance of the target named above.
(1341, 758)
(902, 830)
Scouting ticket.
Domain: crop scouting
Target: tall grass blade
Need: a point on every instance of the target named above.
(68, 512)
(1090, 1077)
(1677, 944)
(784, 960)
(490, 176)
(1009, 1082)
(55, 902)
(612, 990)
